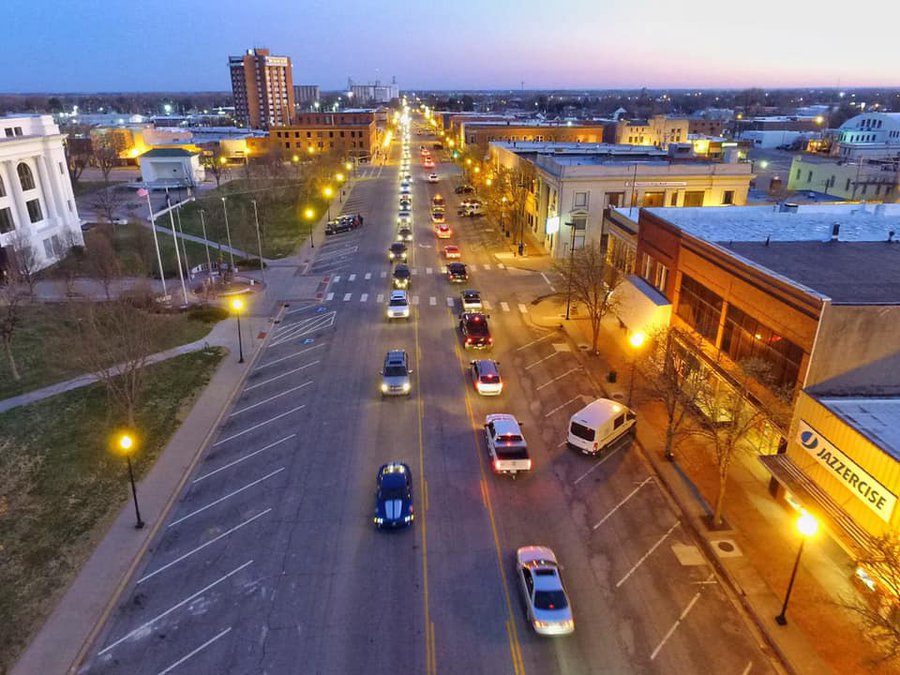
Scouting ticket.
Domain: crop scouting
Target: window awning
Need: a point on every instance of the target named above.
(818, 502)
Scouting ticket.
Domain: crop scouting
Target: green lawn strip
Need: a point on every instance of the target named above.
(60, 485)
(46, 336)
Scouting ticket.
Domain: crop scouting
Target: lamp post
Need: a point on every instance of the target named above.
(262, 270)
(237, 306)
(502, 211)
(571, 268)
(807, 525)
(126, 445)
(228, 235)
(339, 177)
(309, 214)
(329, 193)
(636, 341)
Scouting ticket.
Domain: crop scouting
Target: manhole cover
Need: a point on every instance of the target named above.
(618, 395)
(726, 548)
(584, 347)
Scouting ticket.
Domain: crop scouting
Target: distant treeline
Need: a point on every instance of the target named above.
(150, 103)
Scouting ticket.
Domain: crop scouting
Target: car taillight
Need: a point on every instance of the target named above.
(469, 341)
(497, 465)
(528, 464)
(490, 340)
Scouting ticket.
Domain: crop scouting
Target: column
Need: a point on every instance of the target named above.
(48, 190)
(14, 190)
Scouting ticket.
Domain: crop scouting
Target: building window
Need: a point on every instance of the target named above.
(26, 178)
(743, 337)
(69, 204)
(809, 177)
(798, 174)
(615, 198)
(18, 130)
(646, 267)
(34, 210)
(661, 277)
(62, 169)
(2, 188)
(48, 248)
(699, 308)
(728, 197)
(581, 200)
(6, 221)
(847, 187)
(9, 132)
(654, 199)
(693, 198)
(673, 201)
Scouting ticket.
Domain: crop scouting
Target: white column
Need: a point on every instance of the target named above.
(48, 190)
(14, 190)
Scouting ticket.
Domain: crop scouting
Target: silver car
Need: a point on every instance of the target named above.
(549, 610)
(395, 374)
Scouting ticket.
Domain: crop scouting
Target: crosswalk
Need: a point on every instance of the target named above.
(413, 270)
(431, 300)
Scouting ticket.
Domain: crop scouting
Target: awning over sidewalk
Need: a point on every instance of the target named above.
(850, 535)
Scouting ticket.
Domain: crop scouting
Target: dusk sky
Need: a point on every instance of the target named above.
(93, 45)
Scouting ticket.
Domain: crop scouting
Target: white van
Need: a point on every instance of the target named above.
(599, 424)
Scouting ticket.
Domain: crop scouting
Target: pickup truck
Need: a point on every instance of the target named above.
(506, 445)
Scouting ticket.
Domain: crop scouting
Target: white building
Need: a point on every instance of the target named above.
(869, 136)
(171, 168)
(38, 216)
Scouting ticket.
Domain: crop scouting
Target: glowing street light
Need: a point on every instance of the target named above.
(310, 215)
(807, 525)
(237, 306)
(636, 341)
(329, 193)
(125, 442)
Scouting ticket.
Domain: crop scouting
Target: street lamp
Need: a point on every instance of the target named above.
(636, 341)
(571, 269)
(329, 193)
(807, 525)
(126, 446)
(309, 214)
(228, 234)
(237, 306)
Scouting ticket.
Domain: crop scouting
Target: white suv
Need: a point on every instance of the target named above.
(398, 305)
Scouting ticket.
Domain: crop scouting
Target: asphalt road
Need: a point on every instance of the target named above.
(270, 564)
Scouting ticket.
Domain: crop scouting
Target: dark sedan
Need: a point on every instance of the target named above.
(393, 496)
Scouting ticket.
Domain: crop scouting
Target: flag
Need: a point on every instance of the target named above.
(142, 192)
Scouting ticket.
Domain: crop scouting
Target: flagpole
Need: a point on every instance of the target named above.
(162, 276)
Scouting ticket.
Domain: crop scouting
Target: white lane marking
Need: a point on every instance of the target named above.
(414, 271)
(368, 276)
(384, 275)
(364, 297)
(487, 305)
(747, 669)
(677, 623)
(415, 299)
(284, 374)
(140, 629)
(347, 296)
(337, 278)
(529, 367)
(585, 474)
(501, 266)
(547, 384)
(622, 502)
(534, 342)
(245, 457)
(523, 308)
(560, 407)
(289, 356)
(487, 267)
(504, 306)
(329, 297)
(379, 298)
(647, 554)
(428, 270)
(449, 302)
(271, 398)
(432, 300)
(203, 546)
(352, 277)
(257, 426)
(194, 652)
(222, 499)
(304, 328)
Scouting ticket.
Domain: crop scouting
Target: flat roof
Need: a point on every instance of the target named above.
(878, 419)
(832, 269)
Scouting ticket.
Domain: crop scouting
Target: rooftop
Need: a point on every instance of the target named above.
(168, 152)
(878, 419)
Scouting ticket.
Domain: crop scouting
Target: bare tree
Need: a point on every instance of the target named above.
(107, 201)
(78, 150)
(101, 260)
(13, 294)
(592, 282)
(727, 417)
(115, 341)
(215, 163)
(879, 611)
(105, 150)
(672, 376)
(25, 259)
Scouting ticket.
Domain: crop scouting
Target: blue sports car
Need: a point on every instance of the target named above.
(393, 496)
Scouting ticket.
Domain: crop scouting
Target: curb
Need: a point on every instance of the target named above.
(151, 537)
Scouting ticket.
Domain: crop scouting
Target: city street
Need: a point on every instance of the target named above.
(269, 561)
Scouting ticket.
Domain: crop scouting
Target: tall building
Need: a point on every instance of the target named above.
(38, 217)
(263, 88)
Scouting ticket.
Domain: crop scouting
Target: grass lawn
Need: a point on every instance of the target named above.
(60, 486)
(46, 332)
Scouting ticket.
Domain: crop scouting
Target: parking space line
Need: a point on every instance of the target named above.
(347, 296)
(194, 652)
(547, 384)
(289, 356)
(379, 298)
(257, 426)
(585, 474)
(622, 502)
(504, 306)
(352, 277)
(647, 554)
(364, 297)
(534, 342)
(428, 270)
(241, 459)
(368, 276)
(222, 499)
(384, 275)
(560, 407)
(677, 623)
(487, 305)
(523, 308)
(432, 301)
(337, 278)
(140, 629)
(203, 546)
(329, 297)
(278, 377)
(415, 299)
(414, 271)
(271, 398)
(541, 360)
(449, 302)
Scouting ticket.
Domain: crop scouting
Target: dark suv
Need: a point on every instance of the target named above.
(456, 272)
(397, 251)
(401, 277)
(475, 331)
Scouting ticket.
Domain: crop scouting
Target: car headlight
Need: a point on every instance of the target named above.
(384, 387)
(406, 386)
(408, 518)
(377, 520)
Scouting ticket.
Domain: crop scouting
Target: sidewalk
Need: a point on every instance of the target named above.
(755, 557)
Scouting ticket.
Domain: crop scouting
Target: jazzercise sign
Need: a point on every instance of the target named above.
(863, 486)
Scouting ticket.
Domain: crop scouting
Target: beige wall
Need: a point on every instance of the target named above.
(847, 181)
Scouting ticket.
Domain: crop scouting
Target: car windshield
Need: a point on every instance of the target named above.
(477, 328)
(510, 438)
(392, 493)
(395, 371)
(550, 600)
(401, 274)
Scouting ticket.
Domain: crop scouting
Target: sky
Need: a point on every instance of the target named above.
(183, 45)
